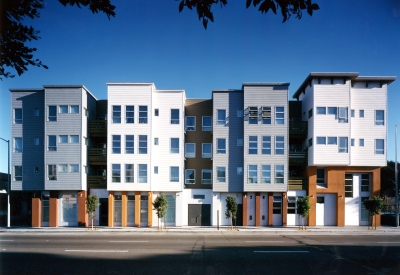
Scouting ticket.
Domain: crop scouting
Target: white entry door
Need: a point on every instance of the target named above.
(326, 209)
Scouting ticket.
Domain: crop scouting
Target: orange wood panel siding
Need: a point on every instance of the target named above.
(82, 215)
(150, 209)
(124, 213)
(245, 205)
(137, 208)
(111, 208)
(53, 218)
(270, 208)
(284, 208)
(258, 209)
(36, 212)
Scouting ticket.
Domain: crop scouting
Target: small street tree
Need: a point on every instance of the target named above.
(160, 204)
(231, 209)
(303, 209)
(92, 203)
(374, 207)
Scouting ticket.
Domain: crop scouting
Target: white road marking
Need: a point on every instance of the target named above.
(6, 240)
(388, 242)
(129, 241)
(264, 241)
(281, 251)
(99, 251)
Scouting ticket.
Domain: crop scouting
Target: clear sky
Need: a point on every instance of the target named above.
(150, 41)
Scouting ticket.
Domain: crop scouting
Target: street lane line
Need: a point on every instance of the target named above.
(388, 242)
(6, 240)
(281, 251)
(265, 241)
(128, 241)
(98, 251)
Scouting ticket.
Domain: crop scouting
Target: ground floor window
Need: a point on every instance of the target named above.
(348, 185)
(144, 209)
(69, 205)
(131, 209)
(118, 209)
(170, 215)
(364, 211)
(277, 205)
(45, 209)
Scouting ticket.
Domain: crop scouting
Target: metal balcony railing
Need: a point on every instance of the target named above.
(298, 183)
(97, 180)
(298, 128)
(98, 128)
(98, 156)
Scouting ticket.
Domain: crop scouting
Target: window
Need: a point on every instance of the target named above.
(206, 176)
(36, 170)
(174, 146)
(253, 145)
(221, 175)
(155, 141)
(63, 168)
(116, 144)
(129, 114)
(343, 114)
(73, 168)
(116, 114)
(221, 117)
(266, 115)
(206, 150)
(190, 176)
(321, 110)
(18, 145)
(190, 123)
(86, 112)
(310, 142)
(321, 140)
(239, 171)
(85, 141)
(364, 212)
(348, 185)
(266, 145)
(156, 112)
(310, 113)
(63, 139)
(279, 115)
(18, 116)
(142, 144)
(276, 205)
(190, 150)
(174, 116)
(343, 145)
(207, 123)
(239, 113)
(379, 147)
(52, 172)
(291, 206)
(253, 115)
(266, 174)
(379, 117)
(199, 196)
(279, 145)
(352, 112)
(74, 139)
(361, 113)
(252, 174)
(332, 140)
(352, 142)
(17, 173)
(279, 174)
(143, 114)
(155, 169)
(142, 175)
(361, 142)
(52, 113)
(129, 144)
(74, 109)
(36, 112)
(63, 109)
(116, 172)
(36, 141)
(129, 168)
(332, 111)
(174, 174)
(321, 177)
(364, 182)
(221, 146)
(52, 145)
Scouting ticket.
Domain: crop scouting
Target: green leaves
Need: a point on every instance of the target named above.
(374, 205)
(303, 206)
(160, 205)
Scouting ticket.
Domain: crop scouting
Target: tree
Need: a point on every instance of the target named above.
(303, 209)
(160, 204)
(92, 203)
(374, 207)
(231, 209)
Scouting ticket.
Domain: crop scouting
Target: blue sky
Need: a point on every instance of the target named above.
(150, 41)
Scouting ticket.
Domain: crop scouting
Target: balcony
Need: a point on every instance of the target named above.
(298, 157)
(298, 183)
(98, 128)
(97, 181)
(298, 129)
(98, 156)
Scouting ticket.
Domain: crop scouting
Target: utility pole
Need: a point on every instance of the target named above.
(8, 183)
(396, 175)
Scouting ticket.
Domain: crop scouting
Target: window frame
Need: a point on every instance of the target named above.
(72, 108)
(239, 142)
(321, 141)
(129, 144)
(348, 184)
(361, 142)
(329, 141)
(51, 172)
(380, 122)
(279, 145)
(266, 145)
(321, 111)
(365, 183)
(143, 114)
(74, 139)
(266, 173)
(174, 150)
(175, 120)
(116, 114)
(129, 172)
(116, 172)
(16, 142)
(361, 113)
(17, 176)
(379, 151)
(343, 114)
(266, 115)
(50, 139)
(73, 168)
(129, 114)
(63, 109)
(142, 169)
(252, 174)
(220, 143)
(52, 113)
(63, 139)
(253, 145)
(205, 127)
(191, 127)
(18, 120)
(279, 177)
(239, 170)
(192, 154)
(174, 170)
(206, 155)
(221, 173)
(344, 149)
(206, 181)
(188, 180)
(321, 177)
(116, 144)
(221, 113)
(279, 115)
(62, 168)
(143, 144)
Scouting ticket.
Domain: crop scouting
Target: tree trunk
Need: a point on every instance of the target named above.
(165, 223)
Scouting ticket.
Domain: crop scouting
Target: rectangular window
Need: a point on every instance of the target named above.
(142, 175)
(277, 205)
(52, 143)
(239, 171)
(348, 185)
(206, 150)
(190, 176)
(321, 140)
(291, 205)
(174, 116)
(239, 113)
(52, 113)
(156, 112)
(36, 112)
(52, 172)
(116, 144)
(364, 182)
(239, 142)
(143, 114)
(343, 114)
(190, 150)
(18, 145)
(321, 177)
(279, 145)
(86, 112)
(253, 145)
(332, 111)
(36, 169)
(266, 174)
(221, 117)
(352, 113)
(73, 168)
(361, 142)
(379, 147)
(266, 145)
(253, 115)
(63, 168)
(36, 141)
(364, 212)
(116, 172)
(321, 110)
(266, 115)
(174, 146)
(129, 169)
(129, 114)
(252, 174)
(343, 145)
(310, 113)
(207, 123)
(74, 109)
(17, 173)
(279, 115)
(310, 142)
(18, 116)
(63, 109)
(221, 146)
(142, 144)
(155, 141)
(361, 113)
(332, 140)
(279, 174)
(63, 139)
(74, 139)
(379, 117)
(206, 176)
(174, 174)
(352, 142)
(221, 174)
(156, 170)
(129, 144)
(116, 114)
(190, 123)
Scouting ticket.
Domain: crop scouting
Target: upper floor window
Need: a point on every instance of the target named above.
(332, 111)
(156, 170)
(116, 144)
(174, 146)
(36, 141)
(52, 143)
(279, 115)
(379, 117)
(379, 146)
(221, 117)
(321, 177)
(206, 176)
(352, 113)
(310, 113)
(17, 173)
(253, 115)
(239, 113)
(266, 145)
(63, 139)
(348, 185)
(206, 150)
(73, 168)
(36, 112)
(321, 110)
(190, 123)
(74, 109)
(252, 174)
(207, 123)
(352, 142)
(116, 114)
(190, 150)
(361, 113)
(52, 172)
(343, 145)
(129, 114)
(364, 182)
(361, 144)
(279, 145)
(52, 113)
(18, 145)
(253, 145)
(18, 116)
(156, 141)
(129, 144)
(266, 115)
(63, 109)
(321, 140)
(74, 139)
(221, 146)
(239, 142)
(190, 176)
(129, 169)
(142, 144)
(266, 174)
(174, 174)
(221, 174)
(142, 173)
(116, 172)
(156, 112)
(343, 114)
(143, 114)
(332, 140)
(239, 170)
(279, 174)
(174, 116)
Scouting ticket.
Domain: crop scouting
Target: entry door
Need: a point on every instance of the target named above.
(199, 214)
(320, 210)
(103, 215)
(239, 215)
(326, 209)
